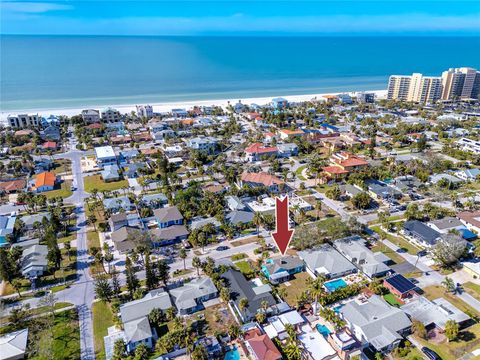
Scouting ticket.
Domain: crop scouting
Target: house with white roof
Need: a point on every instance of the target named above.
(325, 260)
(105, 155)
(13, 346)
(190, 297)
(370, 263)
(34, 261)
(375, 323)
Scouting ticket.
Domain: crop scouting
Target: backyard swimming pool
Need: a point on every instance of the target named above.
(232, 355)
(322, 329)
(335, 284)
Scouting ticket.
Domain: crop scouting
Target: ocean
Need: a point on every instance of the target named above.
(47, 72)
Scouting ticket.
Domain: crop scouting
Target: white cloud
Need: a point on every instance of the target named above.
(32, 7)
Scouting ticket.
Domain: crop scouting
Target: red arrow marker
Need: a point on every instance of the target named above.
(282, 234)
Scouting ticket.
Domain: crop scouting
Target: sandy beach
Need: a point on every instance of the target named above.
(165, 107)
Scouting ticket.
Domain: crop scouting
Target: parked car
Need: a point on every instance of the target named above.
(222, 248)
(431, 354)
(422, 253)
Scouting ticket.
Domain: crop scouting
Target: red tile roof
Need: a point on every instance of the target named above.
(50, 145)
(94, 126)
(24, 132)
(471, 217)
(12, 185)
(353, 161)
(258, 148)
(264, 348)
(261, 178)
(334, 170)
(292, 132)
(45, 179)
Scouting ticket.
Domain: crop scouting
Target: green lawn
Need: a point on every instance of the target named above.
(96, 182)
(66, 343)
(63, 192)
(391, 299)
(239, 256)
(102, 320)
(396, 258)
(472, 289)
(93, 239)
(245, 268)
(62, 166)
(397, 240)
(295, 287)
(67, 272)
(299, 171)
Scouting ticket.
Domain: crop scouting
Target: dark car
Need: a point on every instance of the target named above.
(431, 354)
(422, 253)
(222, 248)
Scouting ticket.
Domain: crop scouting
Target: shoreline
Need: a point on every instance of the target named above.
(168, 106)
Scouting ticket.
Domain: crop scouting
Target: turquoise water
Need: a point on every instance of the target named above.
(322, 329)
(335, 284)
(39, 72)
(232, 355)
(338, 308)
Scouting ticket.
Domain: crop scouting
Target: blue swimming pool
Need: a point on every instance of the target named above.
(335, 284)
(337, 308)
(322, 329)
(232, 355)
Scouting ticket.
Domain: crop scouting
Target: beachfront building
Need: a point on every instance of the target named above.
(366, 98)
(460, 83)
(415, 88)
(145, 111)
(279, 103)
(105, 155)
(111, 115)
(24, 120)
(90, 116)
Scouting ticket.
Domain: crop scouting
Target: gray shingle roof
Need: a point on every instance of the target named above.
(185, 296)
(156, 299)
(241, 288)
(325, 260)
(167, 214)
(239, 217)
(285, 263)
(422, 231)
(137, 330)
(380, 322)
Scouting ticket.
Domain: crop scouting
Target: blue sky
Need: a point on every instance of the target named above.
(156, 17)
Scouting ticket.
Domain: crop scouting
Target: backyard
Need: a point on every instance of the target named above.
(295, 287)
(96, 182)
(63, 192)
(102, 320)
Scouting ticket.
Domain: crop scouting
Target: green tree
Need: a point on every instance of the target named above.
(197, 263)
(451, 330)
(103, 290)
(419, 329)
(116, 287)
(199, 353)
(182, 254)
(361, 200)
(119, 350)
(150, 275)
(333, 192)
(141, 352)
(163, 271)
(243, 305)
(131, 277)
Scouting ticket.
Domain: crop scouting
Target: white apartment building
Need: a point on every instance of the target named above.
(24, 120)
(398, 86)
(460, 83)
(145, 111)
(415, 88)
(111, 115)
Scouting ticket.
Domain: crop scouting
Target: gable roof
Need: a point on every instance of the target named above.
(155, 299)
(264, 347)
(241, 288)
(380, 322)
(12, 185)
(422, 231)
(167, 214)
(185, 296)
(261, 178)
(257, 148)
(45, 179)
(13, 345)
(325, 259)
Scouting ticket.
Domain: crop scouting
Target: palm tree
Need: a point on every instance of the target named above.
(257, 220)
(449, 284)
(183, 255)
(316, 289)
(318, 207)
(243, 304)
(197, 263)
